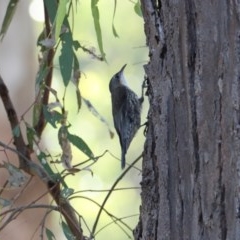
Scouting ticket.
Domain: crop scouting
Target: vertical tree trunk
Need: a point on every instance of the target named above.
(191, 166)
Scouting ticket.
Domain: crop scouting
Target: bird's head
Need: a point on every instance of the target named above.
(118, 79)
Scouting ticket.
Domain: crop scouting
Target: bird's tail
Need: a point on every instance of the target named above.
(123, 159)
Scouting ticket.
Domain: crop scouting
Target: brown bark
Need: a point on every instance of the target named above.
(190, 187)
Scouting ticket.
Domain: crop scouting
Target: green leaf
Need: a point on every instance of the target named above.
(52, 117)
(66, 58)
(31, 133)
(49, 234)
(41, 75)
(66, 192)
(51, 9)
(77, 75)
(61, 14)
(113, 27)
(95, 14)
(68, 234)
(76, 45)
(42, 157)
(12, 6)
(36, 112)
(16, 131)
(137, 8)
(80, 144)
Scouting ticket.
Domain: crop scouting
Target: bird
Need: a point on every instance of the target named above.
(126, 111)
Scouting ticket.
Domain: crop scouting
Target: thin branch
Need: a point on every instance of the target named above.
(114, 218)
(40, 125)
(109, 193)
(34, 169)
(13, 119)
(21, 209)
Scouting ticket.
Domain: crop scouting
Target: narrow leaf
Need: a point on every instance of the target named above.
(95, 14)
(31, 134)
(41, 75)
(137, 8)
(42, 157)
(76, 79)
(51, 9)
(80, 144)
(66, 157)
(61, 13)
(67, 232)
(52, 117)
(66, 58)
(114, 12)
(49, 234)
(12, 6)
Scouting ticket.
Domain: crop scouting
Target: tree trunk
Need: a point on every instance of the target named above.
(191, 165)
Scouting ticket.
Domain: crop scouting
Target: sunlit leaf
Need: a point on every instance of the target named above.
(49, 234)
(12, 6)
(52, 117)
(137, 8)
(67, 232)
(61, 13)
(95, 14)
(80, 144)
(66, 58)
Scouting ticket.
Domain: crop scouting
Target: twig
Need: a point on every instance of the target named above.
(34, 169)
(39, 127)
(109, 193)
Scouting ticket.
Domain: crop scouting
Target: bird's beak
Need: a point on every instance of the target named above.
(122, 69)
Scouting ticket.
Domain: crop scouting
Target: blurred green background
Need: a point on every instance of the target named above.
(129, 48)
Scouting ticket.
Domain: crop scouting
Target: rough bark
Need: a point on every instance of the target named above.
(190, 187)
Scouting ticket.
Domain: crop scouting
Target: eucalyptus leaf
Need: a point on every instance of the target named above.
(51, 9)
(67, 232)
(12, 6)
(66, 58)
(52, 117)
(61, 14)
(114, 12)
(49, 234)
(137, 8)
(80, 144)
(96, 17)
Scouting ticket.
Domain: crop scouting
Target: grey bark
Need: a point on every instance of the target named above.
(191, 165)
